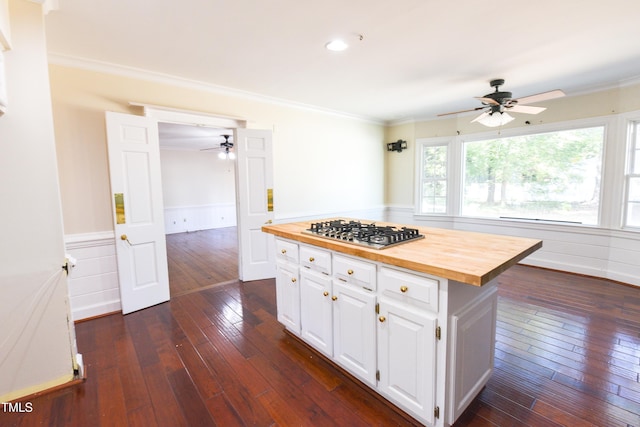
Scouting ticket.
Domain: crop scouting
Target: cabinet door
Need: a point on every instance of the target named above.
(315, 311)
(288, 297)
(354, 331)
(407, 359)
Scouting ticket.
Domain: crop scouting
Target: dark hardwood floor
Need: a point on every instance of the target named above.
(202, 258)
(567, 354)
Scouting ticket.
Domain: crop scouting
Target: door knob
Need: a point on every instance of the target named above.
(403, 289)
(325, 293)
(382, 319)
(125, 238)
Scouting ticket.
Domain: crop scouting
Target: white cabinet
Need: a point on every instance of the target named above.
(407, 358)
(354, 331)
(425, 343)
(288, 297)
(316, 311)
(407, 340)
(287, 285)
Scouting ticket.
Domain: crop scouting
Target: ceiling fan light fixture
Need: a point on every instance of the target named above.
(493, 120)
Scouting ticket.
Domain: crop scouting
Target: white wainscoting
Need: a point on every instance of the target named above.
(93, 281)
(598, 252)
(180, 219)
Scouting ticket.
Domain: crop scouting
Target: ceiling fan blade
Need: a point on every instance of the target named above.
(488, 100)
(461, 111)
(208, 149)
(526, 109)
(480, 117)
(544, 96)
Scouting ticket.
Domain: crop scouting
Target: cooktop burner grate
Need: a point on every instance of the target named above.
(358, 233)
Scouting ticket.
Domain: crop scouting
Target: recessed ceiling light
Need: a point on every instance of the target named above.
(336, 45)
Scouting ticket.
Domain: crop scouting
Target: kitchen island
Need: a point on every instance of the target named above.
(414, 321)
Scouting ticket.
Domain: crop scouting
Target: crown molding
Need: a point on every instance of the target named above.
(156, 77)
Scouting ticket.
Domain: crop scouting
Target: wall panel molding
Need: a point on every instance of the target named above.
(94, 289)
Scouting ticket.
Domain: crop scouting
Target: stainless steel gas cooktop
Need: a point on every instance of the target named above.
(358, 233)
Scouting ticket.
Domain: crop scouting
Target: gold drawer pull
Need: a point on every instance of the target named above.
(350, 272)
(334, 298)
(403, 289)
(325, 293)
(311, 259)
(382, 319)
(284, 251)
(294, 280)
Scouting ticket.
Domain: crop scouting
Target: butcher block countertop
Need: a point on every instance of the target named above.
(467, 257)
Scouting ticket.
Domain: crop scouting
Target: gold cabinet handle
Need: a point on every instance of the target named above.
(403, 289)
(325, 293)
(350, 272)
(294, 280)
(334, 298)
(269, 222)
(125, 238)
(311, 259)
(284, 251)
(382, 319)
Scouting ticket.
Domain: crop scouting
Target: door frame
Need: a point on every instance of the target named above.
(196, 118)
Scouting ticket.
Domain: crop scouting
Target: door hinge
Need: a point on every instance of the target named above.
(378, 375)
(378, 308)
(436, 412)
(438, 333)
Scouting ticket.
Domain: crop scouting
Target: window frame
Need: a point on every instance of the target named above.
(446, 142)
(610, 208)
(632, 158)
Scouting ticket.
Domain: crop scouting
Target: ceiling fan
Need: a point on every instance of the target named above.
(498, 104)
(226, 146)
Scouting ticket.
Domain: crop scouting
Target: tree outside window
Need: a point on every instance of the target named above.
(552, 176)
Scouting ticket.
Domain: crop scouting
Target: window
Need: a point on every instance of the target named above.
(632, 216)
(553, 176)
(433, 183)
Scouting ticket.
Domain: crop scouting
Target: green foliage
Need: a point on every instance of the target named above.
(540, 165)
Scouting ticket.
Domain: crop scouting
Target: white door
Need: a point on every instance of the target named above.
(255, 208)
(136, 187)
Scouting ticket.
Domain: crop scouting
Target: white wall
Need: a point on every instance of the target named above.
(36, 338)
(198, 190)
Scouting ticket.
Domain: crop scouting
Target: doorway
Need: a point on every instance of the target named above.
(200, 205)
(134, 169)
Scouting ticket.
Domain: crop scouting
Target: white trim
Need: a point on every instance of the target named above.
(197, 118)
(47, 5)
(87, 240)
(152, 76)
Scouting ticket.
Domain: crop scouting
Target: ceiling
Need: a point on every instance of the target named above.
(417, 58)
(175, 136)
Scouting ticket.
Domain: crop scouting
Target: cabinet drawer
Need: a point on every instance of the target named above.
(286, 251)
(409, 288)
(315, 259)
(354, 271)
